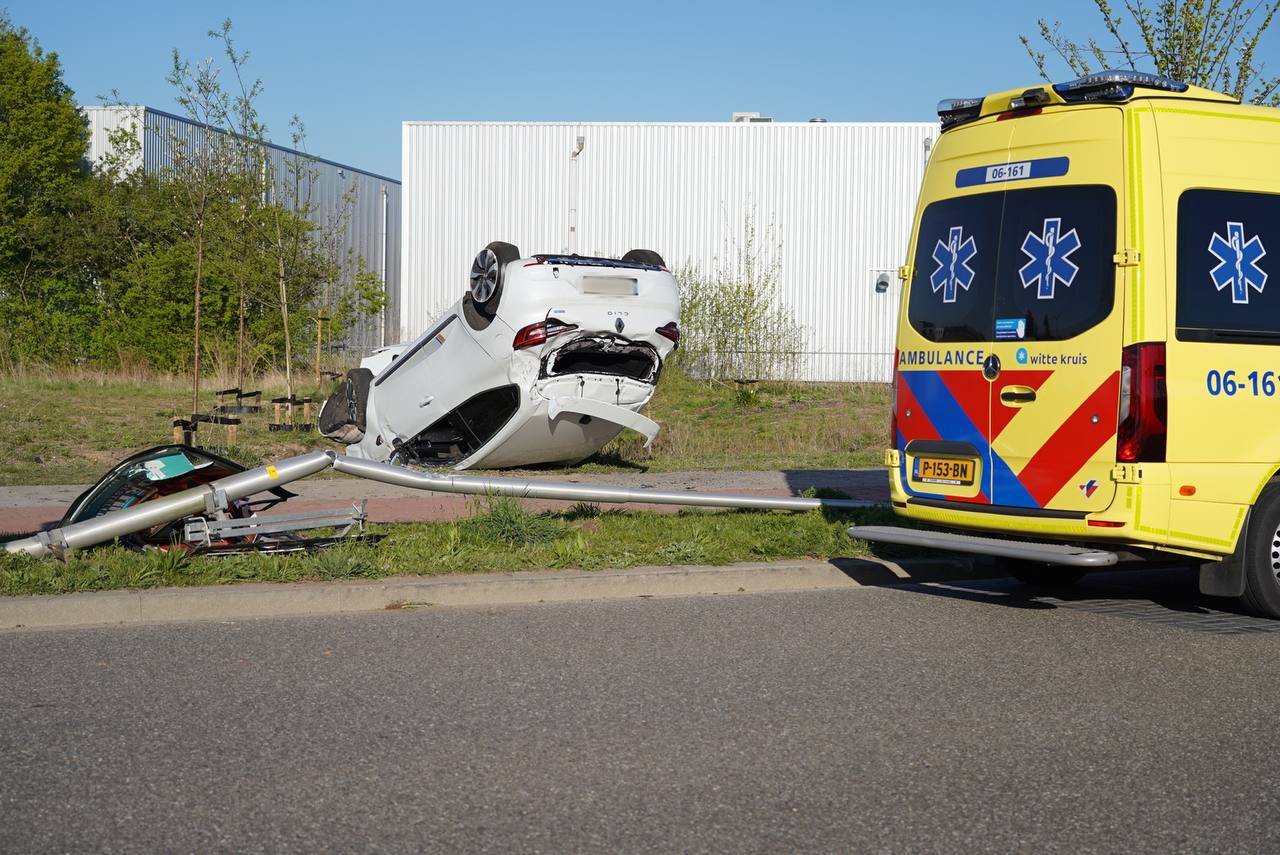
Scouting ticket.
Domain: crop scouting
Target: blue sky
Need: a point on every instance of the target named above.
(355, 71)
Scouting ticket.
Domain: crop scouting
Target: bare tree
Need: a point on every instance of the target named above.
(203, 164)
(294, 181)
(1209, 43)
(249, 134)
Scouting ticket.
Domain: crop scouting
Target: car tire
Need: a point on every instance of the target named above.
(344, 413)
(1262, 555)
(644, 256)
(1045, 577)
(488, 273)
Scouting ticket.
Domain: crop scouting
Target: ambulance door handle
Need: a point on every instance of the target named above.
(1015, 395)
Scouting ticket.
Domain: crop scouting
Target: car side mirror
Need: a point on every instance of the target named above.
(883, 280)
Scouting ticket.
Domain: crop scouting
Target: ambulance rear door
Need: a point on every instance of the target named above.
(1054, 359)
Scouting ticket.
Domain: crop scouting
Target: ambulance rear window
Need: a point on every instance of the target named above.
(1032, 265)
(1223, 292)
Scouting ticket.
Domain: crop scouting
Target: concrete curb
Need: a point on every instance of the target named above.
(234, 602)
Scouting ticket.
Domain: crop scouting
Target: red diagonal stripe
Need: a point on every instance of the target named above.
(972, 392)
(1001, 414)
(1073, 443)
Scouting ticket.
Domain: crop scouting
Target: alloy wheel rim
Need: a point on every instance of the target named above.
(484, 275)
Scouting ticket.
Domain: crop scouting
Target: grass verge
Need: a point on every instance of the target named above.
(501, 535)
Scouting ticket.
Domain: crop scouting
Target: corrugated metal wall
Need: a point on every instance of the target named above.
(370, 229)
(834, 200)
(103, 121)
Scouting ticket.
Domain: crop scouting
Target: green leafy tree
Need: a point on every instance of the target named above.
(43, 139)
(213, 262)
(1209, 43)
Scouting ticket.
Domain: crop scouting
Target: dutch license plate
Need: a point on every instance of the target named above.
(944, 470)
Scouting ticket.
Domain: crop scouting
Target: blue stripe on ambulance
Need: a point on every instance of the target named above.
(952, 423)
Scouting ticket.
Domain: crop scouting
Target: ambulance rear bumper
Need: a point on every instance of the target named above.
(1049, 553)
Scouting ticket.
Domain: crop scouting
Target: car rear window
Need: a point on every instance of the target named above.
(1032, 265)
(1223, 292)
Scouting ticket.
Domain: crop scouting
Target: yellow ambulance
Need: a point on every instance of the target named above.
(1088, 357)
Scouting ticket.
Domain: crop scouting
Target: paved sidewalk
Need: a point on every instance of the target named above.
(27, 509)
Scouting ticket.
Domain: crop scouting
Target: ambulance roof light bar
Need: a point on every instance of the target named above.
(1114, 86)
(955, 111)
(1102, 86)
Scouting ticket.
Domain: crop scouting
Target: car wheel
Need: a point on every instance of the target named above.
(488, 272)
(1262, 555)
(644, 256)
(1046, 577)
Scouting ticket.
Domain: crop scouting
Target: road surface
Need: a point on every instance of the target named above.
(924, 718)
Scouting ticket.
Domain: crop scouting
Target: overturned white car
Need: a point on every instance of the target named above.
(544, 360)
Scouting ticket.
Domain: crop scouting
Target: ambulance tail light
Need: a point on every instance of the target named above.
(1144, 406)
(893, 404)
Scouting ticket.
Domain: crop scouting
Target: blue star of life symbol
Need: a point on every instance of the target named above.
(1237, 263)
(953, 259)
(1049, 262)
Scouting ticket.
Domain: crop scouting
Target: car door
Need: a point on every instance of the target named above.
(443, 368)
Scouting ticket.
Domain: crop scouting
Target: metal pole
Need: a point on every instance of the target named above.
(579, 144)
(563, 491)
(382, 315)
(216, 495)
(207, 498)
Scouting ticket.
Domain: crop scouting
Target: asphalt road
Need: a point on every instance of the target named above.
(925, 718)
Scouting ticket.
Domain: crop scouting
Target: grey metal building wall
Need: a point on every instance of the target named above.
(372, 229)
(832, 201)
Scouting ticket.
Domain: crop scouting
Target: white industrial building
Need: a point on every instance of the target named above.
(833, 200)
(370, 229)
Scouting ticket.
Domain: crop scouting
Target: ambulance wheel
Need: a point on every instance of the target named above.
(644, 256)
(1262, 555)
(488, 272)
(1046, 577)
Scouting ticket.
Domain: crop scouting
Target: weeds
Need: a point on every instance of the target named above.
(690, 551)
(505, 520)
(571, 551)
(733, 324)
(582, 511)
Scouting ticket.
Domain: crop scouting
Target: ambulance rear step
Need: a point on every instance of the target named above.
(1049, 553)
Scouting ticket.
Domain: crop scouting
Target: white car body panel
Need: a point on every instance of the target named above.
(576, 391)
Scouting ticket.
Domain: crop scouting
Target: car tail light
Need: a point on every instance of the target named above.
(893, 404)
(1144, 405)
(536, 334)
(671, 331)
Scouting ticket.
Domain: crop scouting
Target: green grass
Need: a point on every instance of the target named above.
(69, 429)
(772, 426)
(500, 535)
